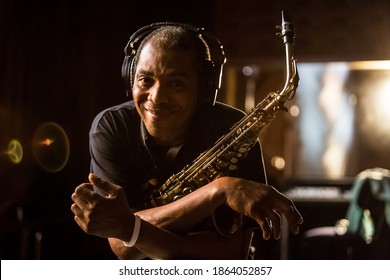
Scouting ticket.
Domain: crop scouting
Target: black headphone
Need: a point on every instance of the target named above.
(215, 49)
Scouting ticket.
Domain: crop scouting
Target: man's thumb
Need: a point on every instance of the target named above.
(101, 186)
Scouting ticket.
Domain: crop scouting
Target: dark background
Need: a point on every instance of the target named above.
(60, 62)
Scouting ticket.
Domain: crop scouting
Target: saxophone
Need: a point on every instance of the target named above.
(233, 146)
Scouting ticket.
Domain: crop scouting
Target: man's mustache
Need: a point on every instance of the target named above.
(149, 106)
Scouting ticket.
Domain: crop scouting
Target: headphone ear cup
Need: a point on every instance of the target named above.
(210, 87)
(126, 73)
(218, 59)
(213, 77)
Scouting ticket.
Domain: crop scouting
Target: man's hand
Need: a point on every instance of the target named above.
(262, 203)
(104, 213)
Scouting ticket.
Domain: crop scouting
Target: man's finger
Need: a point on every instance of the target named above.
(83, 195)
(265, 227)
(102, 187)
(294, 219)
(275, 221)
(77, 210)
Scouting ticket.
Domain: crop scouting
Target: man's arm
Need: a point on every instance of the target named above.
(159, 237)
(180, 216)
(111, 217)
(156, 243)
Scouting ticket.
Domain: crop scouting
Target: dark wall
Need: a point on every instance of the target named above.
(332, 30)
(61, 62)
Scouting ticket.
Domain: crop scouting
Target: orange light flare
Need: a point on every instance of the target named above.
(47, 142)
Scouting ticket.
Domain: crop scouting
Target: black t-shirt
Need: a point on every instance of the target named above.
(123, 153)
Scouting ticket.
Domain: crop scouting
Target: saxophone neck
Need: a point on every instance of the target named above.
(292, 76)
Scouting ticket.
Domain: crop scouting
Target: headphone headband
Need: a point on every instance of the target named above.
(215, 49)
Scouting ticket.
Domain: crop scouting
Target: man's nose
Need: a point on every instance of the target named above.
(157, 94)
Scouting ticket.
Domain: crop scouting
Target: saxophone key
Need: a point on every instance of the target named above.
(186, 191)
(233, 167)
(177, 197)
(221, 164)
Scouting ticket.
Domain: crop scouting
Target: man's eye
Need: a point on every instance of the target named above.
(145, 81)
(177, 84)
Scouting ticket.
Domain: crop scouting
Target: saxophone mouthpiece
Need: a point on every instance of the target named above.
(287, 29)
(285, 17)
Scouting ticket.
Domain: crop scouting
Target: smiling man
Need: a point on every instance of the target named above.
(173, 74)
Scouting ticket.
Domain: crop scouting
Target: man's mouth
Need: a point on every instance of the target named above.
(158, 112)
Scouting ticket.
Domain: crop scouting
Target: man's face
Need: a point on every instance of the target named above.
(165, 93)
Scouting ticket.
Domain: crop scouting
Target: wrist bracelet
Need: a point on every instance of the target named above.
(134, 237)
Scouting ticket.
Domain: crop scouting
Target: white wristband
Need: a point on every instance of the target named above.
(134, 237)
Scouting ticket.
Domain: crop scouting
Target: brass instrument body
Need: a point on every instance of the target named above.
(223, 157)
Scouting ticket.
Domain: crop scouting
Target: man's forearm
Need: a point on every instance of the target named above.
(184, 213)
(157, 243)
